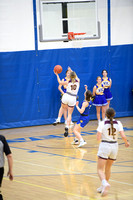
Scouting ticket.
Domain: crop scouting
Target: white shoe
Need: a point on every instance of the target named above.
(82, 144)
(75, 142)
(71, 123)
(57, 121)
(99, 190)
(105, 190)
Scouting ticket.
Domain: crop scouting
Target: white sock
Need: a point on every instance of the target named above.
(99, 121)
(103, 119)
(81, 140)
(104, 182)
(58, 118)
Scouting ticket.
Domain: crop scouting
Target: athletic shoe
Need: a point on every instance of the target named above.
(105, 190)
(1, 198)
(75, 142)
(57, 121)
(71, 123)
(99, 190)
(82, 144)
(66, 132)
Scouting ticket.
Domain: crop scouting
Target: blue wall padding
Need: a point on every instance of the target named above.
(29, 90)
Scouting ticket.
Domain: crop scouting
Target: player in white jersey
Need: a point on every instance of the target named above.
(107, 132)
(69, 98)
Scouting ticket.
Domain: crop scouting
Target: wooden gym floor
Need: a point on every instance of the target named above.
(48, 167)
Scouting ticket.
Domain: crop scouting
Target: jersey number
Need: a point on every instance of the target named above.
(73, 87)
(113, 132)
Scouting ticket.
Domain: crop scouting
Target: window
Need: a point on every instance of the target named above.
(60, 17)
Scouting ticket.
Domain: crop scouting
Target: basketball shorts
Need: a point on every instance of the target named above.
(83, 120)
(108, 94)
(108, 150)
(69, 100)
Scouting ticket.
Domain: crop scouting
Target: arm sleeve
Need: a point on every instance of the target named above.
(120, 126)
(6, 146)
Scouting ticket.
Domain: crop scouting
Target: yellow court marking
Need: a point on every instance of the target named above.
(47, 188)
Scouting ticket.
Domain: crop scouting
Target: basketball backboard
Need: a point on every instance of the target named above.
(60, 17)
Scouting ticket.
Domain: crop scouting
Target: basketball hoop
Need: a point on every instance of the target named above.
(76, 41)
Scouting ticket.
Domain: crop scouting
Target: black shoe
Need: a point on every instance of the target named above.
(66, 132)
(56, 122)
(1, 198)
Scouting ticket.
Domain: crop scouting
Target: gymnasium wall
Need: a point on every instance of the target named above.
(28, 87)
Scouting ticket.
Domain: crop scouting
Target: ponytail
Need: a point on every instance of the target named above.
(73, 80)
(72, 76)
(110, 113)
(112, 128)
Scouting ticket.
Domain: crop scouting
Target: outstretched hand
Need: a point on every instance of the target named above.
(86, 87)
(55, 73)
(69, 69)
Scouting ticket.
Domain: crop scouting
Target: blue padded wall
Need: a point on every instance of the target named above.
(29, 90)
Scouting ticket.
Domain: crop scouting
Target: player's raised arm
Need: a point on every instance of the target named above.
(59, 81)
(82, 109)
(94, 90)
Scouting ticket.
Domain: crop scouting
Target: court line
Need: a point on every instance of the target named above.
(125, 161)
(34, 175)
(59, 136)
(121, 165)
(91, 161)
(45, 166)
(127, 149)
(46, 147)
(47, 188)
(54, 154)
(75, 172)
(112, 180)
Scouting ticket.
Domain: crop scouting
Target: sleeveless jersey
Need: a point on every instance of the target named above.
(106, 82)
(106, 130)
(99, 89)
(86, 111)
(73, 88)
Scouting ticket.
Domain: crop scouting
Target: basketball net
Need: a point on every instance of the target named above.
(77, 42)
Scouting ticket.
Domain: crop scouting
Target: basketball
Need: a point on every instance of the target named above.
(58, 69)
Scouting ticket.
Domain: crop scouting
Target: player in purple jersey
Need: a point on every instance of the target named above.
(62, 89)
(69, 98)
(107, 133)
